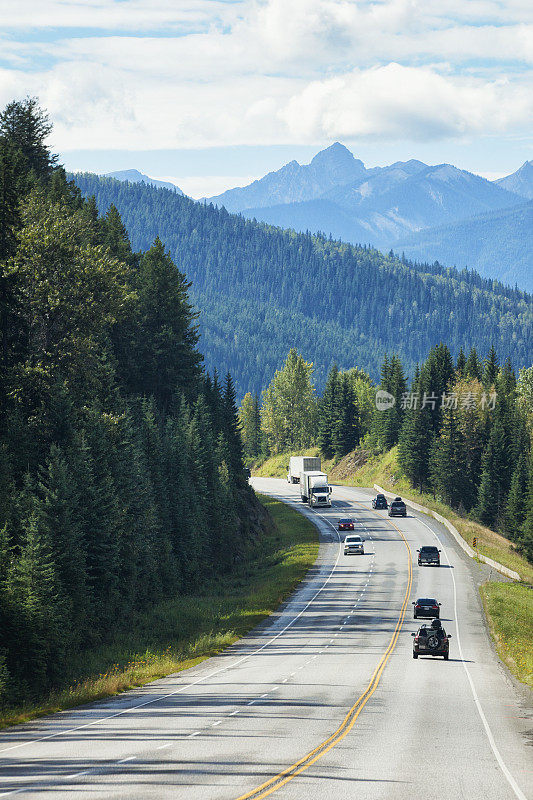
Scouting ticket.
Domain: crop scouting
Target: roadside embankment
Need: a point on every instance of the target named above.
(183, 631)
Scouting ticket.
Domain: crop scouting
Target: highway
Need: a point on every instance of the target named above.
(323, 700)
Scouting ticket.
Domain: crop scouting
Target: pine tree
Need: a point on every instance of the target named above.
(525, 544)
(326, 414)
(250, 422)
(490, 370)
(460, 367)
(473, 366)
(414, 447)
(515, 511)
(26, 127)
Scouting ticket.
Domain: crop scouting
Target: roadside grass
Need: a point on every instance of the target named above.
(509, 608)
(182, 632)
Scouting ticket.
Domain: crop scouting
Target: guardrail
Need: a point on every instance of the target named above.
(509, 573)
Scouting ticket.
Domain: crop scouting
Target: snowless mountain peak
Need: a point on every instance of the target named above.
(520, 182)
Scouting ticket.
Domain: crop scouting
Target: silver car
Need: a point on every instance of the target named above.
(354, 544)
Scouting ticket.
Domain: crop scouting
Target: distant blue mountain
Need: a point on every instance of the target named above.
(520, 182)
(295, 182)
(134, 176)
(498, 245)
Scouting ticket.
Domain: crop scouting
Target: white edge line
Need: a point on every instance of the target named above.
(198, 680)
(512, 783)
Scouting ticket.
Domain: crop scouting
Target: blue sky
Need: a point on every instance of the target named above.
(213, 93)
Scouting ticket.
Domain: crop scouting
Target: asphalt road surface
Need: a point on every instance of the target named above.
(324, 700)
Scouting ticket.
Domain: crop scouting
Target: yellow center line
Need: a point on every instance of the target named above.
(286, 775)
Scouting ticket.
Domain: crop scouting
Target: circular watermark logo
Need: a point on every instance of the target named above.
(384, 400)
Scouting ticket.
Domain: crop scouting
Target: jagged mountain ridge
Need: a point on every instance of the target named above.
(520, 182)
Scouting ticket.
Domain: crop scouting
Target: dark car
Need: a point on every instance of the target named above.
(426, 607)
(431, 641)
(346, 525)
(380, 501)
(430, 556)
(397, 508)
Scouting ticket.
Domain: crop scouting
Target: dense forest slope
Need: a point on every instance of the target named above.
(262, 290)
(116, 448)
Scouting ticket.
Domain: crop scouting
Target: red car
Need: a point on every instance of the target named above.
(346, 525)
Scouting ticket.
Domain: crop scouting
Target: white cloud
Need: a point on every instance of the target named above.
(271, 71)
(406, 102)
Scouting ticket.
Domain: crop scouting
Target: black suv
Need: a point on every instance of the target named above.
(429, 556)
(397, 508)
(431, 641)
(380, 501)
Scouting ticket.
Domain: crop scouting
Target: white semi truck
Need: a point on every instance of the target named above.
(314, 489)
(298, 464)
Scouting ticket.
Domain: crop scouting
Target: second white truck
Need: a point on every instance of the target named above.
(314, 489)
(298, 464)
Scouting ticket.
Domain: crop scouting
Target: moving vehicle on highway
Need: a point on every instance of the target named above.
(314, 489)
(346, 525)
(298, 464)
(431, 641)
(397, 508)
(429, 556)
(354, 545)
(426, 607)
(380, 502)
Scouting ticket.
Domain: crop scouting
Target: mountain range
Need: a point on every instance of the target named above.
(262, 290)
(409, 206)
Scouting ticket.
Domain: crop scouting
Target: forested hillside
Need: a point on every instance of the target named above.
(116, 449)
(498, 244)
(262, 290)
(463, 430)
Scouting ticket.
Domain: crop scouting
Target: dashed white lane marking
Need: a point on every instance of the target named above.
(129, 758)
(196, 733)
(232, 714)
(274, 688)
(168, 744)
(219, 722)
(264, 695)
(77, 775)
(201, 679)
(284, 680)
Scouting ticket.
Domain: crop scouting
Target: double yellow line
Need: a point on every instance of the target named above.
(289, 773)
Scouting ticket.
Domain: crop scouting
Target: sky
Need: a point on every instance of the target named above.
(212, 94)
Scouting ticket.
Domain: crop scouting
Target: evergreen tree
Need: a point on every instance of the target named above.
(250, 423)
(473, 366)
(516, 506)
(326, 414)
(460, 367)
(26, 127)
(490, 370)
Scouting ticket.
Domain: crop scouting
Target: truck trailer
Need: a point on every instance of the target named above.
(298, 464)
(314, 489)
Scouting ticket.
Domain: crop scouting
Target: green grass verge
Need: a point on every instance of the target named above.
(509, 608)
(181, 632)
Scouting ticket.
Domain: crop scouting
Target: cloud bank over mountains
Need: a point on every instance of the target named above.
(139, 74)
